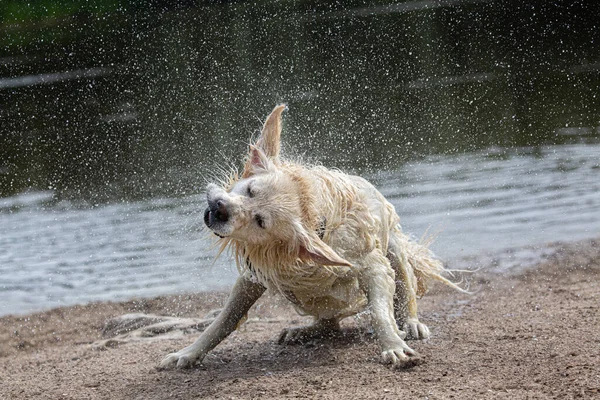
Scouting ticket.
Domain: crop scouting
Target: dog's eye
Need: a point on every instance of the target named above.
(259, 220)
(250, 192)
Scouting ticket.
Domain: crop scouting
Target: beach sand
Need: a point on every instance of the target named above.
(528, 335)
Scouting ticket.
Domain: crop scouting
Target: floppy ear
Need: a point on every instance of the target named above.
(317, 251)
(268, 143)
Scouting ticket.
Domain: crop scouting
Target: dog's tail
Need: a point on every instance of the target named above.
(416, 257)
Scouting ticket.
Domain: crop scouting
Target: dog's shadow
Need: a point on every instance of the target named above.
(264, 357)
(255, 365)
(248, 360)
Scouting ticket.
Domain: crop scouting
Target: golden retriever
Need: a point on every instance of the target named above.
(328, 242)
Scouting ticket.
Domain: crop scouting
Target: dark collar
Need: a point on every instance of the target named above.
(322, 228)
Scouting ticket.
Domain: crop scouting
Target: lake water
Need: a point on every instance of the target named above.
(478, 122)
(54, 253)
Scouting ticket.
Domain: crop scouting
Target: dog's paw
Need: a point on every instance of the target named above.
(297, 335)
(184, 358)
(415, 330)
(306, 333)
(400, 356)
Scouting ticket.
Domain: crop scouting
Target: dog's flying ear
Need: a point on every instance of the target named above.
(319, 252)
(257, 161)
(270, 137)
(268, 143)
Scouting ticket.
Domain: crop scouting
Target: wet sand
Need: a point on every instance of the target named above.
(532, 334)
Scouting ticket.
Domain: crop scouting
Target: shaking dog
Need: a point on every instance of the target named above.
(328, 242)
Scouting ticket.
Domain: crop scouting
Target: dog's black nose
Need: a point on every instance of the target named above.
(216, 211)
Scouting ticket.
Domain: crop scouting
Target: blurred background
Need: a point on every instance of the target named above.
(478, 119)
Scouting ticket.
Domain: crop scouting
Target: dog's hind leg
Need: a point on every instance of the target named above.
(243, 295)
(324, 327)
(405, 297)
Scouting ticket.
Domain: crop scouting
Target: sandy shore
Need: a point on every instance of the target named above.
(531, 335)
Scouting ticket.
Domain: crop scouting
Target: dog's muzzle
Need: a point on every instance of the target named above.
(216, 213)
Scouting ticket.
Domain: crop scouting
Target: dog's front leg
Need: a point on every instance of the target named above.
(405, 303)
(378, 281)
(243, 295)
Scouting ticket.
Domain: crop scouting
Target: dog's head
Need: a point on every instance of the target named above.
(272, 203)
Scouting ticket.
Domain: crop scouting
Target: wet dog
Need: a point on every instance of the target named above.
(328, 242)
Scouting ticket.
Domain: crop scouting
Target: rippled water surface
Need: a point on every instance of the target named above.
(478, 119)
(55, 253)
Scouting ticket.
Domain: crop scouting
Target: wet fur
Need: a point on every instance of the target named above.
(327, 241)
